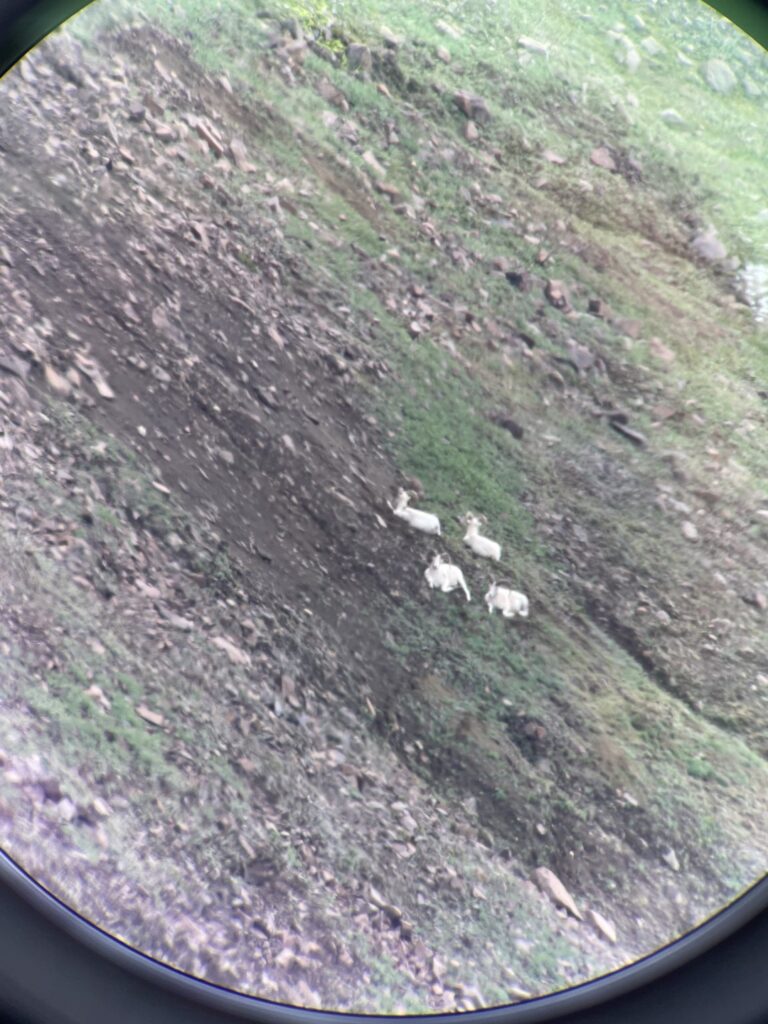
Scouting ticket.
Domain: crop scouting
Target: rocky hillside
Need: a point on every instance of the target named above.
(259, 270)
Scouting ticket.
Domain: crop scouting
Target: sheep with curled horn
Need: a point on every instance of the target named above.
(483, 546)
(445, 576)
(426, 522)
(509, 602)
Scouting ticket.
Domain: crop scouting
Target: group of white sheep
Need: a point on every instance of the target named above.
(443, 575)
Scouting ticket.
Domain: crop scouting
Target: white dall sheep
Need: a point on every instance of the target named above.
(509, 602)
(482, 546)
(427, 522)
(444, 576)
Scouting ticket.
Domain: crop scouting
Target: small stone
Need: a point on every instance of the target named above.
(153, 717)
(207, 136)
(708, 246)
(165, 133)
(359, 56)
(758, 600)
(101, 807)
(751, 88)
(285, 958)
(670, 859)
(56, 382)
(652, 46)
(447, 29)
(471, 131)
(601, 157)
(689, 530)
(557, 294)
(180, 623)
(601, 925)
(533, 46)
(234, 653)
(442, 54)
(518, 994)
(551, 886)
(51, 788)
(474, 107)
(718, 75)
(66, 809)
(239, 156)
(661, 351)
(672, 117)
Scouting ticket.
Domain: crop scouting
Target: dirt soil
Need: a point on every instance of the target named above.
(196, 536)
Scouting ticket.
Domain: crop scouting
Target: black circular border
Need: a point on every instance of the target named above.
(56, 966)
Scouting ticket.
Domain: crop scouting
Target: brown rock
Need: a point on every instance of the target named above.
(479, 111)
(663, 411)
(601, 157)
(471, 132)
(165, 132)
(579, 356)
(234, 653)
(56, 382)
(632, 328)
(708, 246)
(331, 94)
(153, 717)
(632, 435)
(689, 530)
(551, 886)
(239, 156)
(602, 925)
(442, 54)
(598, 307)
(388, 189)
(661, 351)
(153, 105)
(558, 295)
(359, 56)
(520, 279)
(163, 71)
(474, 107)
(209, 137)
(12, 364)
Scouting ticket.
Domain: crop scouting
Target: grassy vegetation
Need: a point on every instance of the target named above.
(580, 96)
(608, 726)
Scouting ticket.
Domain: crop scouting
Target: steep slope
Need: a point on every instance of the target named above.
(231, 333)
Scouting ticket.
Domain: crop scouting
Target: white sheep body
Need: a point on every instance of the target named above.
(444, 576)
(426, 522)
(509, 602)
(483, 546)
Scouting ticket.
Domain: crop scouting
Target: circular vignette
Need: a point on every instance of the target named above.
(99, 977)
(23, 24)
